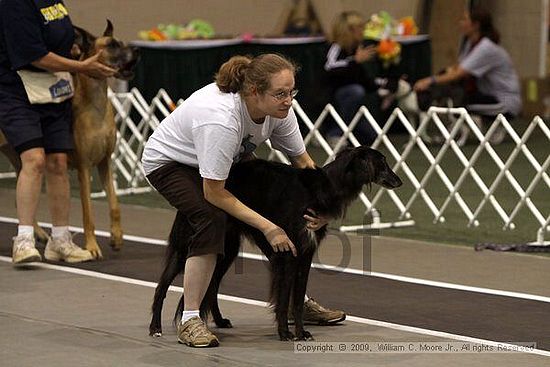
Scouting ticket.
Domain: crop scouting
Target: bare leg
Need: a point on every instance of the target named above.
(58, 188)
(198, 272)
(29, 184)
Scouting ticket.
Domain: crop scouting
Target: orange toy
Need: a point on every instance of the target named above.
(389, 51)
(409, 26)
(156, 35)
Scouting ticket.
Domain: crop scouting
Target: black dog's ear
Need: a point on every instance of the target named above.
(359, 159)
(109, 30)
(83, 42)
(348, 156)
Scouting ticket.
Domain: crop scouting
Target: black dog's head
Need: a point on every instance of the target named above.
(364, 166)
(116, 54)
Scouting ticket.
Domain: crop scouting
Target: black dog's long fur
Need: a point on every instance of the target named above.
(283, 195)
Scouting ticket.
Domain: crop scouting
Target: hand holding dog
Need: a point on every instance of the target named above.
(279, 240)
(423, 84)
(315, 222)
(92, 67)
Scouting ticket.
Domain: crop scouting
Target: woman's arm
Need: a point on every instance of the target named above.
(91, 66)
(450, 75)
(314, 221)
(216, 194)
(302, 161)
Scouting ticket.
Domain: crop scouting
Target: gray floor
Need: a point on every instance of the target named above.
(51, 317)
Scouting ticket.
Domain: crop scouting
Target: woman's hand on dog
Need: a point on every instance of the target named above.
(279, 240)
(315, 222)
(423, 84)
(92, 67)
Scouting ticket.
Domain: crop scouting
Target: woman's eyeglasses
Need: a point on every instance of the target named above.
(281, 96)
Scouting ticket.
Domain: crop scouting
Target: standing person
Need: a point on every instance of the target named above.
(36, 37)
(188, 158)
(346, 76)
(489, 82)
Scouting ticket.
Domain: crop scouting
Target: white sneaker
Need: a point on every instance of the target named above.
(498, 136)
(23, 250)
(63, 249)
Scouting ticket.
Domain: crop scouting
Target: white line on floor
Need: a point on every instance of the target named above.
(400, 278)
(361, 320)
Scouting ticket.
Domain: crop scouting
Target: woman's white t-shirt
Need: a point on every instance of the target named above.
(211, 130)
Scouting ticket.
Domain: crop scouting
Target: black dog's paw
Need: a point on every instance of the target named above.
(155, 332)
(286, 336)
(304, 335)
(224, 323)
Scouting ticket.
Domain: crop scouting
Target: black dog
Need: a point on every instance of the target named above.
(283, 195)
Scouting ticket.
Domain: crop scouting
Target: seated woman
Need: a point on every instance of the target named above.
(346, 76)
(489, 83)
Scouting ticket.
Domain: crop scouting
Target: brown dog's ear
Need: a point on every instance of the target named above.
(83, 42)
(109, 30)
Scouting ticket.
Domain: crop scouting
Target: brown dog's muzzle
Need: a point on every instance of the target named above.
(125, 63)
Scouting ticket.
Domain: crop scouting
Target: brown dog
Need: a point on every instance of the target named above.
(94, 129)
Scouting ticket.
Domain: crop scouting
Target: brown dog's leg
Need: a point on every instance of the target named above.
(87, 215)
(106, 175)
(12, 155)
(39, 233)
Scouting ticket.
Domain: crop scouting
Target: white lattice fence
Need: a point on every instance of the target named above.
(136, 119)
(450, 134)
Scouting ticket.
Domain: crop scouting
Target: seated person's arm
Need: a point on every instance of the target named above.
(348, 70)
(450, 75)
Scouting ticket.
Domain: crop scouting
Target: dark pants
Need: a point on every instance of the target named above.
(28, 126)
(181, 186)
(487, 106)
(348, 100)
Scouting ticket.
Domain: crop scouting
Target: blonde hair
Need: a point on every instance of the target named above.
(342, 29)
(240, 73)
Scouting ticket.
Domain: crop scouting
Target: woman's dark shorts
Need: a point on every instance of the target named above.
(181, 185)
(29, 126)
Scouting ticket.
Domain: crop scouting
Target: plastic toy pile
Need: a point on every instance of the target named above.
(383, 27)
(195, 29)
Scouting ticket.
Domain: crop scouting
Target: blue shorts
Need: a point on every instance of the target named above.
(27, 126)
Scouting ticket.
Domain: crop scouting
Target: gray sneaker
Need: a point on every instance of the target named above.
(23, 250)
(64, 249)
(315, 314)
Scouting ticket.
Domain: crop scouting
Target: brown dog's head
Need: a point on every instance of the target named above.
(116, 54)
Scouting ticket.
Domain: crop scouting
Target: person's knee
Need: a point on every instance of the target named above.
(33, 161)
(209, 231)
(357, 92)
(218, 218)
(209, 219)
(350, 93)
(56, 164)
